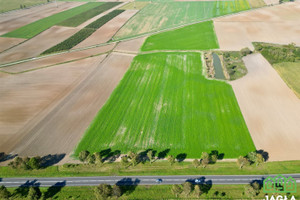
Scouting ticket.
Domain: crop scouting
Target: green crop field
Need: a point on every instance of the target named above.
(83, 33)
(32, 29)
(79, 19)
(290, 73)
(164, 102)
(200, 37)
(158, 16)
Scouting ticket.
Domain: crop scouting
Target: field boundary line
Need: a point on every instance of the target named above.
(129, 38)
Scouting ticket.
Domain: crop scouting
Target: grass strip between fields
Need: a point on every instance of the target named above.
(83, 33)
(82, 17)
(156, 168)
(32, 29)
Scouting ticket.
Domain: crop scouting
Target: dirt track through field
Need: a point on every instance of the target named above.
(277, 24)
(13, 20)
(105, 33)
(61, 127)
(271, 109)
(56, 59)
(38, 44)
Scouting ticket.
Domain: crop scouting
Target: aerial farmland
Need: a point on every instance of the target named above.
(138, 75)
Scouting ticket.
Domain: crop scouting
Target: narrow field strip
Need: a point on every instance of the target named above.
(158, 16)
(41, 25)
(82, 17)
(200, 37)
(83, 33)
(165, 103)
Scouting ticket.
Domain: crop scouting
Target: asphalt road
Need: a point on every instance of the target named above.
(135, 180)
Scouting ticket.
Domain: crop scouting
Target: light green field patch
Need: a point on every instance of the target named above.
(194, 37)
(158, 16)
(137, 5)
(164, 102)
(32, 29)
(290, 73)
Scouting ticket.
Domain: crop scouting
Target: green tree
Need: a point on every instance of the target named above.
(34, 162)
(204, 155)
(214, 158)
(116, 191)
(249, 191)
(187, 188)
(150, 156)
(83, 155)
(34, 193)
(252, 156)
(256, 186)
(91, 159)
(198, 191)
(259, 159)
(103, 191)
(242, 161)
(246, 51)
(98, 158)
(204, 162)
(176, 190)
(134, 158)
(196, 163)
(171, 159)
(4, 193)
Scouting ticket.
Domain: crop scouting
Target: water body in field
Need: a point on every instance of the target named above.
(218, 67)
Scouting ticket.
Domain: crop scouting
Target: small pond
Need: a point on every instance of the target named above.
(218, 67)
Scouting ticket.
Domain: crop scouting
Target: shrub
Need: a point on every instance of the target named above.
(246, 51)
(83, 155)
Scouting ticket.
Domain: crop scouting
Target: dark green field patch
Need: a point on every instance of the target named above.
(82, 17)
(83, 34)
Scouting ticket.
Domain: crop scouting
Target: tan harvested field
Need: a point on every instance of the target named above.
(271, 2)
(270, 108)
(38, 44)
(58, 127)
(13, 20)
(130, 46)
(6, 43)
(57, 59)
(108, 30)
(277, 24)
(30, 97)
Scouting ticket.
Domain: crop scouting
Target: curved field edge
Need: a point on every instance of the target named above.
(201, 36)
(159, 16)
(164, 103)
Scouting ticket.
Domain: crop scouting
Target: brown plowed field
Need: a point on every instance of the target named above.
(270, 108)
(130, 46)
(277, 24)
(38, 44)
(6, 43)
(56, 59)
(60, 128)
(13, 20)
(108, 30)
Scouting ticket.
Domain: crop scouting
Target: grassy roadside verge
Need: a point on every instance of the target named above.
(151, 192)
(156, 168)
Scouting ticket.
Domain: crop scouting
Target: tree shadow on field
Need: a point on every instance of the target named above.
(181, 157)
(5, 157)
(264, 154)
(109, 155)
(54, 189)
(50, 160)
(143, 155)
(163, 154)
(128, 185)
